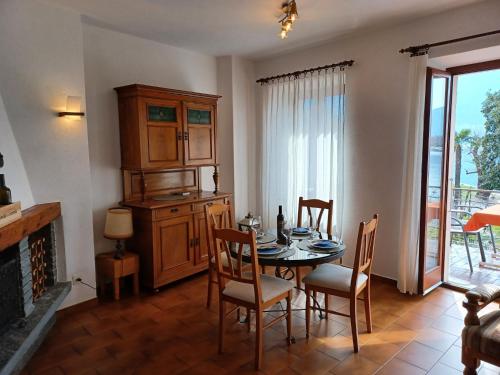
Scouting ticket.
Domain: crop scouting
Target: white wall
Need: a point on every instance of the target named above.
(237, 136)
(115, 59)
(42, 63)
(377, 103)
(15, 173)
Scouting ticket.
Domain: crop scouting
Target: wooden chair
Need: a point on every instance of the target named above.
(222, 218)
(322, 206)
(338, 280)
(248, 289)
(480, 338)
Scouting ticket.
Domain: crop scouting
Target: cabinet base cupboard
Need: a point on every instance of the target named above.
(171, 237)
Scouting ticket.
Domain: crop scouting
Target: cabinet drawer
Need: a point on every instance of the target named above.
(172, 211)
(201, 206)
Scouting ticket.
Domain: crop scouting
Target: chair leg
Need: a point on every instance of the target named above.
(298, 276)
(308, 310)
(481, 248)
(258, 339)
(368, 311)
(326, 306)
(470, 362)
(289, 317)
(222, 314)
(354, 326)
(249, 319)
(210, 282)
(492, 239)
(466, 241)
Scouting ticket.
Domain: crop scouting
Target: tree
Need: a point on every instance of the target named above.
(461, 138)
(485, 150)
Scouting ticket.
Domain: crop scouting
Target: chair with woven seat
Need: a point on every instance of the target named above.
(481, 335)
(322, 206)
(247, 289)
(223, 218)
(341, 281)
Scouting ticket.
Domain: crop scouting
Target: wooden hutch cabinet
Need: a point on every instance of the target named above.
(166, 136)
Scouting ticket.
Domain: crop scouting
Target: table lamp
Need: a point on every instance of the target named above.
(118, 227)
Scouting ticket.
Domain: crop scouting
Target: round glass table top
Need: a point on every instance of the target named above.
(299, 253)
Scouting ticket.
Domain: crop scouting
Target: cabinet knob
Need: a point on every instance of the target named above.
(175, 209)
(186, 136)
(179, 136)
(210, 204)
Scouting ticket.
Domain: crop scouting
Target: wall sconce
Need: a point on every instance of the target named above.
(73, 108)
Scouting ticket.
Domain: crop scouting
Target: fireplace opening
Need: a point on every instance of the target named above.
(11, 305)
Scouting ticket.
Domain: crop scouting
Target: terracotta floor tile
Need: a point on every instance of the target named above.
(414, 321)
(440, 369)
(399, 367)
(436, 339)
(449, 325)
(420, 355)
(397, 335)
(453, 358)
(338, 347)
(314, 363)
(379, 351)
(355, 364)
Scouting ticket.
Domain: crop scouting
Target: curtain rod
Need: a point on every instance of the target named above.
(424, 48)
(300, 72)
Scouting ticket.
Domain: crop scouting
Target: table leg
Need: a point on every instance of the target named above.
(136, 284)
(481, 248)
(116, 287)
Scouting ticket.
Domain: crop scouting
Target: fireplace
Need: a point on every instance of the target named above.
(29, 290)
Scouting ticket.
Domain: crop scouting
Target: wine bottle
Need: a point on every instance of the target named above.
(280, 223)
(5, 197)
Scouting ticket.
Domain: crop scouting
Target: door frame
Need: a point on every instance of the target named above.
(437, 274)
(456, 71)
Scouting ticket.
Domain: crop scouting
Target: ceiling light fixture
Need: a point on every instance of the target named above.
(290, 15)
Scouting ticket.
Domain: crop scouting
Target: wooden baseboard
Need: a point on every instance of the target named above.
(385, 280)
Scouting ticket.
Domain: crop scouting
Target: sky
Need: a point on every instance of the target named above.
(471, 92)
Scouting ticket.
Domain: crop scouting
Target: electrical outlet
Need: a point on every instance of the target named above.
(75, 279)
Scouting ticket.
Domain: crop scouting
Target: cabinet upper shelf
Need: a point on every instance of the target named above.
(166, 128)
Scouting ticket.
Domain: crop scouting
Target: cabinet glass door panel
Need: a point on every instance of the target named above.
(199, 146)
(434, 166)
(199, 117)
(162, 113)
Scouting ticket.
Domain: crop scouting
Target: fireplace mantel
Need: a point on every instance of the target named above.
(33, 219)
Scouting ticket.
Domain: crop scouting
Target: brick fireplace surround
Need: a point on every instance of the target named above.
(29, 291)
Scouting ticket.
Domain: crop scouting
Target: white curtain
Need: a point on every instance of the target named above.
(303, 131)
(412, 175)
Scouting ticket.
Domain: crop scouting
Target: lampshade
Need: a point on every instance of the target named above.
(118, 224)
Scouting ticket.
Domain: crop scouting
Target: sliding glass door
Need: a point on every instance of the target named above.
(434, 179)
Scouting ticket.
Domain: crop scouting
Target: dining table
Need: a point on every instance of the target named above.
(298, 253)
(481, 218)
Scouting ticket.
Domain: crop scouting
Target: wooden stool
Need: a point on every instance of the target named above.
(111, 268)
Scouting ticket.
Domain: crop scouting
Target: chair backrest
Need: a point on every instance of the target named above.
(322, 206)
(364, 248)
(219, 216)
(225, 239)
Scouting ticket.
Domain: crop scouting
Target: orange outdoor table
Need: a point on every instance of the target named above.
(479, 219)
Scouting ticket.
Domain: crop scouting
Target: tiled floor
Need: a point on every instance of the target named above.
(173, 333)
(459, 271)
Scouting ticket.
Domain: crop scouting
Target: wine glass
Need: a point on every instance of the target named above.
(287, 230)
(312, 224)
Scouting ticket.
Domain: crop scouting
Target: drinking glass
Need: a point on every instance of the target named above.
(287, 230)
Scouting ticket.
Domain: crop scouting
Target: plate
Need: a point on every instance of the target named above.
(324, 244)
(301, 231)
(271, 249)
(266, 238)
(273, 253)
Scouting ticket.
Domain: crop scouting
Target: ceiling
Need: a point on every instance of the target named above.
(248, 27)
